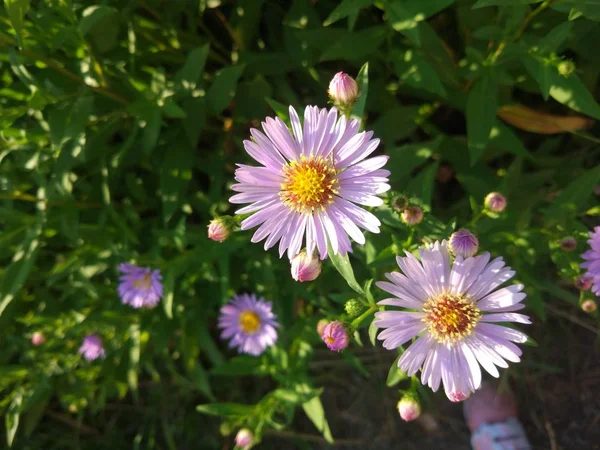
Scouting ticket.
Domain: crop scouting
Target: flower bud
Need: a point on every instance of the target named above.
(353, 307)
(399, 203)
(218, 230)
(321, 326)
(568, 244)
(37, 338)
(566, 68)
(589, 306)
(244, 438)
(463, 243)
(409, 407)
(457, 396)
(343, 90)
(495, 202)
(305, 267)
(583, 283)
(335, 336)
(412, 215)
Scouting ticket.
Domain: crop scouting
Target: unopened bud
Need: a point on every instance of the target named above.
(353, 307)
(589, 306)
(244, 438)
(409, 407)
(583, 283)
(37, 338)
(566, 68)
(463, 243)
(335, 336)
(343, 90)
(399, 203)
(305, 267)
(321, 326)
(412, 215)
(495, 202)
(218, 229)
(568, 244)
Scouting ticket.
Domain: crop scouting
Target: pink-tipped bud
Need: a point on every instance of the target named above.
(335, 336)
(457, 396)
(218, 230)
(584, 282)
(412, 215)
(589, 306)
(244, 438)
(321, 326)
(409, 408)
(568, 244)
(463, 243)
(37, 338)
(495, 202)
(343, 90)
(305, 267)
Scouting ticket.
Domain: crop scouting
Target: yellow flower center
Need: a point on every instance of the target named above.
(450, 317)
(249, 322)
(309, 184)
(144, 283)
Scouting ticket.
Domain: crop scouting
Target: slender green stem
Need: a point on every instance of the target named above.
(356, 322)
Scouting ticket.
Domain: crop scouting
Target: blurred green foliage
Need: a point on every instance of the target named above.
(121, 123)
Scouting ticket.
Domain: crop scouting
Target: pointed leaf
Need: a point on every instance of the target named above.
(481, 114)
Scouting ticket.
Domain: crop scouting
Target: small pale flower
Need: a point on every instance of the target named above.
(589, 306)
(244, 438)
(306, 190)
(592, 263)
(409, 408)
(568, 244)
(321, 326)
(453, 307)
(248, 323)
(413, 215)
(218, 230)
(343, 90)
(495, 202)
(335, 336)
(583, 283)
(92, 348)
(463, 243)
(140, 286)
(37, 338)
(305, 267)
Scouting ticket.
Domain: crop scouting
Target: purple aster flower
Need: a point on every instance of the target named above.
(92, 348)
(463, 243)
(592, 263)
(309, 181)
(335, 336)
(249, 323)
(452, 309)
(140, 286)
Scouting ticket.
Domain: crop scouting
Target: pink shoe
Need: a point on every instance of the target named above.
(492, 418)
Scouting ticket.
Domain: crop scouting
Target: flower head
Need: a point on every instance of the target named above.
(463, 243)
(305, 267)
(244, 438)
(37, 338)
(495, 202)
(452, 309)
(218, 230)
(309, 181)
(92, 348)
(568, 244)
(140, 286)
(248, 323)
(335, 336)
(566, 68)
(409, 408)
(583, 283)
(589, 306)
(343, 90)
(412, 215)
(321, 326)
(592, 263)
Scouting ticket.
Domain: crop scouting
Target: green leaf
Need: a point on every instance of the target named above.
(149, 116)
(233, 410)
(12, 417)
(175, 174)
(168, 294)
(395, 375)
(280, 109)
(362, 80)
(92, 15)
(195, 120)
(556, 37)
(240, 365)
(572, 92)
(542, 73)
(346, 8)
(373, 333)
(314, 410)
(416, 71)
(574, 196)
(403, 20)
(190, 74)
(221, 92)
(484, 3)
(134, 358)
(502, 137)
(16, 10)
(357, 45)
(343, 266)
(481, 115)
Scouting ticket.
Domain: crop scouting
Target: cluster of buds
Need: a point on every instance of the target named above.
(410, 215)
